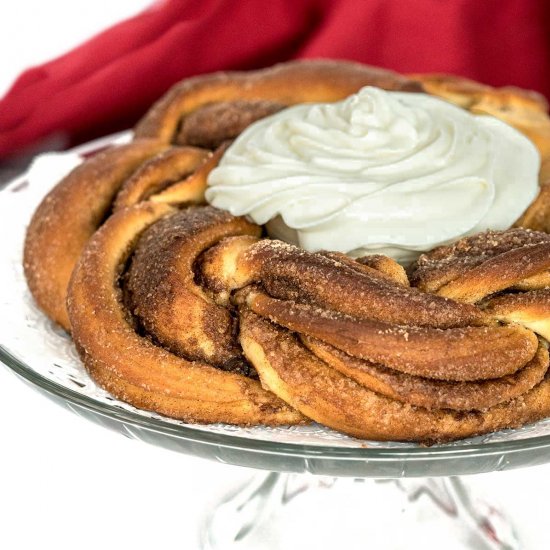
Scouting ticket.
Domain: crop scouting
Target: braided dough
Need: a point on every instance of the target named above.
(183, 309)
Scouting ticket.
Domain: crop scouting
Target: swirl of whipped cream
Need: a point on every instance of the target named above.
(379, 172)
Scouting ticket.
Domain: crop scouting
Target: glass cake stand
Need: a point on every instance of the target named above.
(309, 472)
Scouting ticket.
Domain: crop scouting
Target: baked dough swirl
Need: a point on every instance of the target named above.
(184, 309)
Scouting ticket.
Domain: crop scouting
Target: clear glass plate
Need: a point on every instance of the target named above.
(43, 355)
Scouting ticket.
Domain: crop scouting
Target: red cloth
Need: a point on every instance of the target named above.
(109, 81)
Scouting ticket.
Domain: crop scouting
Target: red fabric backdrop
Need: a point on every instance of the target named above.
(109, 81)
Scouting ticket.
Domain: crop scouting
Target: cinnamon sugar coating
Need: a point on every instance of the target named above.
(133, 367)
(290, 273)
(175, 307)
(465, 353)
(285, 84)
(213, 124)
(506, 272)
(166, 169)
(322, 393)
(162, 293)
(428, 392)
(68, 216)
(484, 263)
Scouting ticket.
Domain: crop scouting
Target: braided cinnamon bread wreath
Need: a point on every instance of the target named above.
(185, 309)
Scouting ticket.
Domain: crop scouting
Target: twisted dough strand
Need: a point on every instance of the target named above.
(325, 395)
(287, 84)
(68, 217)
(131, 366)
(506, 272)
(428, 392)
(461, 354)
(179, 310)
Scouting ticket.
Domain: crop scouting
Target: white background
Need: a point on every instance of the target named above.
(66, 483)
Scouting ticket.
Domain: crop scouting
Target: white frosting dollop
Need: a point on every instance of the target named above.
(379, 172)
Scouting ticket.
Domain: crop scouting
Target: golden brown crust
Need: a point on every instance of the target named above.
(479, 265)
(530, 309)
(131, 366)
(109, 181)
(287, 83)
(498, 273)
(537, 215)
(374, 266)
(69, 215)
(466, 92)
(386, 265)
(456, 89)
(390, 361)
(459, 354)
(220, 270)
(293, 373)
(429, 393)
(161, 289)
(161, 172)
(191, 189)
(290, 273)
(210, 126)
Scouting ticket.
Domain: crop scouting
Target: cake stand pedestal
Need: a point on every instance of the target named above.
(275, 510)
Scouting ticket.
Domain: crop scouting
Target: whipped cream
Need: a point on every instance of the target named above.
(379, 172)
